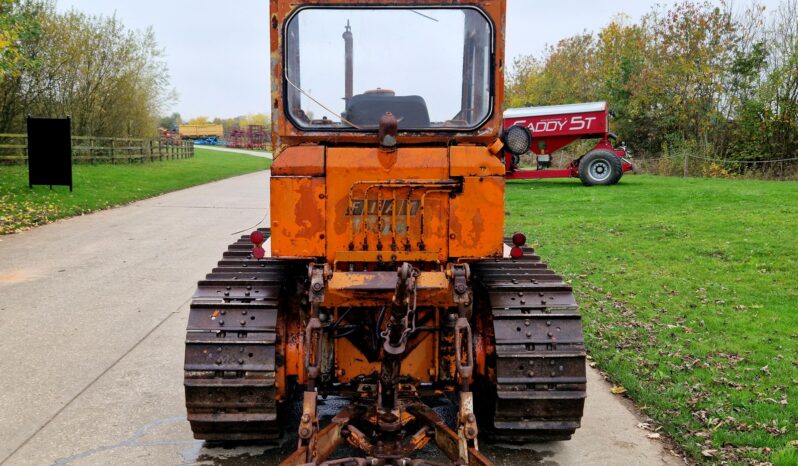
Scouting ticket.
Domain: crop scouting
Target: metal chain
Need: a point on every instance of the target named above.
(409, 320)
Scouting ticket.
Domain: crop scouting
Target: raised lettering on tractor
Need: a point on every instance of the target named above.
(389, 277)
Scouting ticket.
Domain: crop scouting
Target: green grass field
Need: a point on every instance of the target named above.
(689, 292)
(103, 186)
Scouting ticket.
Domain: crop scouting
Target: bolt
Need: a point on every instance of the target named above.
(553, 374)
(460, 288)
(243, 322)
(515, 282)
(520, 295)
(523, 302)
(304, 432)
(244, 312)
(317, 287)
(543, 301)
(222, 312)
(527, 323)
(241, 361)
(306, 417)
(529, 334)
(219, 349)
(548, 322)
(530, 374)
(219, 362)
(227, 293)
(221, 323)
(471, 432)
(471, 418)
(550, 334)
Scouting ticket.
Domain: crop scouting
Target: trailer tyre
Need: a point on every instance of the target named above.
(600, 168)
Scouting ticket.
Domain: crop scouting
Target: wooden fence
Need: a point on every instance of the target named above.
(89, 149)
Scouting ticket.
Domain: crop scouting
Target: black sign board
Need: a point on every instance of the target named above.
(50, 151)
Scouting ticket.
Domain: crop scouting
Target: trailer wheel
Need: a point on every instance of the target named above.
(600, 168)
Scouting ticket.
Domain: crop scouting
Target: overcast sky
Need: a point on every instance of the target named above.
(218, 52)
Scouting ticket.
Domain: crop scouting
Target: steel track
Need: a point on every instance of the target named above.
(230, 348)
(537, 386)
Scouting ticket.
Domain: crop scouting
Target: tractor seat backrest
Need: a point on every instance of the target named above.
(366, 110)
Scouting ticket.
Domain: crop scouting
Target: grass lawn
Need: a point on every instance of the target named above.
(689, 292)
(102, 186)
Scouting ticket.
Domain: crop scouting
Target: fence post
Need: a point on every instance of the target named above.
(113, 155)
(686, 165)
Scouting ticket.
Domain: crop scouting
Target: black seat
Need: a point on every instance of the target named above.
(366, 110)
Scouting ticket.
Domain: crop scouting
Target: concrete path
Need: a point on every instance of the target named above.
(94, 310)
(256, 153)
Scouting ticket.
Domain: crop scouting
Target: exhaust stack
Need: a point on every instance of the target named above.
(348, 53)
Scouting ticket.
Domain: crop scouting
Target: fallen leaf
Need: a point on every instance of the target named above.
(617, 390)
(653, 436)
(709, 453)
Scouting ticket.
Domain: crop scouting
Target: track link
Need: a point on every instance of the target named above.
(230, 348)
(538, 377)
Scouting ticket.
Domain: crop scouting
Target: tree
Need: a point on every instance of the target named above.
(17, 24)
(111, 80)
(200, 120)
(171, 122)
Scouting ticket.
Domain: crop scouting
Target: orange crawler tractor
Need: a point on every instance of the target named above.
(384, 277)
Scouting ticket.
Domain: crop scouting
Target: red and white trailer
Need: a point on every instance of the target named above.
(549, 129)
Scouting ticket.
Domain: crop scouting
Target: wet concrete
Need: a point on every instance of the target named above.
(95, 311)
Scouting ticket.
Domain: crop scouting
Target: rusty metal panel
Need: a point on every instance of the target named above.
(384, 281)
(524, 405)
(379, 201)
(203, 396)
(538, 331)
(298, 216)
(474, 161)
(476, 218)
(205, 352)
(547, 300)
(232, 317)
(541, 368)
(299, 161)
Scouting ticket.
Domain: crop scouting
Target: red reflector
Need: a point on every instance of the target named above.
(519, 239)
(258, 252)
(516, 253)
(257, 238)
